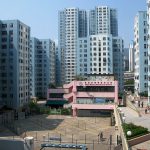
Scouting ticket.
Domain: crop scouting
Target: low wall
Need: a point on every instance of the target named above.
(139, 140)
(17, 143)
(119, 127)
(7, 144)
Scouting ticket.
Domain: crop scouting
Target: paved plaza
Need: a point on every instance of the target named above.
(143, 120)
(79, 130)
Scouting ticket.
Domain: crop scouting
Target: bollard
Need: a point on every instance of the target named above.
(72, 138)
(93, 144)
(48, 136)
(76, 144)
(36, 136)
(43, 138)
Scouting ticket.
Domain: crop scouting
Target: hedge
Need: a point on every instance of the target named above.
(135, 130)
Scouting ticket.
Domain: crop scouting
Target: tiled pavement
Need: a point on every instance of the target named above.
(77, 130)
(144, 120)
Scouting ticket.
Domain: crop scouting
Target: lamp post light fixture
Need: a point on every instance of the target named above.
(122, 113)
(123, 119)
(129, 133)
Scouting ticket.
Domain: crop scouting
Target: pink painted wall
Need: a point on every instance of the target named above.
(76, 94)
(70, 93)
(93, 106)
(62, 90)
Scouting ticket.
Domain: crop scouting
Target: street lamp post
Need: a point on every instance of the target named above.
(129, 133)
(123, 119)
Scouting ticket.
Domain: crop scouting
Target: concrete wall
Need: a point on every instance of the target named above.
(6, 144)
(94, 113)
(139, 140)
(17, 144)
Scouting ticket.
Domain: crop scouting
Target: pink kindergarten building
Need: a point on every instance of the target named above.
(94, 97)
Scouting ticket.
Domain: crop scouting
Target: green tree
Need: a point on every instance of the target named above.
(80, 78)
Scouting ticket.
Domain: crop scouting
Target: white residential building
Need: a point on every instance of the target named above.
(14, 63)
(95, 55)
(148, 23)
(103, 20)
(126, 59)
(42, 66)
(141, 52)
(101, 54)
(131, 58)
(72, 24)
(118, 71)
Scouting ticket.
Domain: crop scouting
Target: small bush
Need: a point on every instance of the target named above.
(66, 111)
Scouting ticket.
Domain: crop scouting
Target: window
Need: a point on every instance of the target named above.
(11, 46)
(4, 32)
(11, 25)
(104, 38)
(4, 25)
(104, 48)
(4, 46)
(4, 39)
(11, 32)
(145, 53)
(145, 45)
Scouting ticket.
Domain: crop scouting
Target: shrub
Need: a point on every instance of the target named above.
(136, 130)
(66, 111)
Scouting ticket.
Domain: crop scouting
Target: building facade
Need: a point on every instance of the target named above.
(95, 55)
(96, 96)
(42, 66)
(75, 24)
(118, 46)
(103, 20)
(101, 54)
(141, 52)
(148, 22)
(14, 65)
(58, 66)
(126, 59)
(72, 24)
(131, 58)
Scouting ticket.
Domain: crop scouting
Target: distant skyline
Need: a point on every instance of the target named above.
(42, 15)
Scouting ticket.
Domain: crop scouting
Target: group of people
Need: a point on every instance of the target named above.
(140, 104)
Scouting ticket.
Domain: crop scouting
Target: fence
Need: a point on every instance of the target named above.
(94, 144)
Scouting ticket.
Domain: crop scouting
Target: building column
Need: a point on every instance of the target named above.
(116, 92)
(74, 112)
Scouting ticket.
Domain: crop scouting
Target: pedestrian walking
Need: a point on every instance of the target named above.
(139, 103)
(145, 111)
(142, 104)
(101, 136)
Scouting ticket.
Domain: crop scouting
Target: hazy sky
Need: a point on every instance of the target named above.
(42, 15)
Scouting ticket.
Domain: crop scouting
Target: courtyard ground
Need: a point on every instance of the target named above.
(79, 130)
